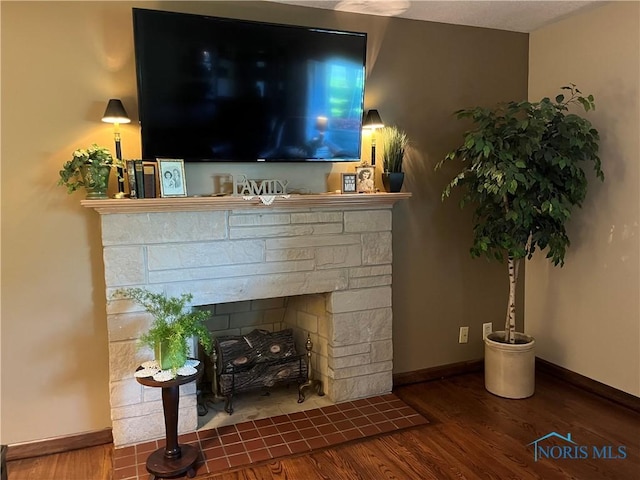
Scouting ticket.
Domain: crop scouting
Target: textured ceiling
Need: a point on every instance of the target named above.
(515, 15)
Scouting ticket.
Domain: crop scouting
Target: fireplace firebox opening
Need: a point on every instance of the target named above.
(262, 345)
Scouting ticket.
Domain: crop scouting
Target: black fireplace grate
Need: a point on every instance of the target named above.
(260, 359)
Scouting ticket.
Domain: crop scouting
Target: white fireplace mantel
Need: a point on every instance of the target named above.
(235, 202)
(333, 247)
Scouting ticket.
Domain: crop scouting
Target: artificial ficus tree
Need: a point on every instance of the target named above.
(522, 171)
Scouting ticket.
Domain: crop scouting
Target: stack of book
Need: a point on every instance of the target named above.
(143, 178)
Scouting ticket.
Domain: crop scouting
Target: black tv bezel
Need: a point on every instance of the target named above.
(138, 52)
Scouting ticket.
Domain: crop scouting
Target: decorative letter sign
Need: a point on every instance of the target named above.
(243, 186)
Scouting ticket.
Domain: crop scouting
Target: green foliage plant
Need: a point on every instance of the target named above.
(522, 172)
(394, 144)
(173, 323)
(92, 160)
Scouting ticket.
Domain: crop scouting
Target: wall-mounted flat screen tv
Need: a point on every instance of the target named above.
(218, 89)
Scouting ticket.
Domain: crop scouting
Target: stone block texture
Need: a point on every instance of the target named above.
(326, 273)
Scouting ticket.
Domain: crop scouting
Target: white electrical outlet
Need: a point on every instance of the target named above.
(463, 337)
(487, 328)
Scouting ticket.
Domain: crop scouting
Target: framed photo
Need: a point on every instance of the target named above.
(349, 183)
(172, 181)
(364, 180)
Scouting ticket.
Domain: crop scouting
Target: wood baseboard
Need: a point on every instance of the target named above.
(48, 446)
(593, 386)
(542, 366)
(437, 373)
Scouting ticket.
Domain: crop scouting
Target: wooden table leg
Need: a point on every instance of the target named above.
(163, 467)
(173, 459)
(170, 400)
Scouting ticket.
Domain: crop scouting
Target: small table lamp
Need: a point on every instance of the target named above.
(116, 114)
(373, 121)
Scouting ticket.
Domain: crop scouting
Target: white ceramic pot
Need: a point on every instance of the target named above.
(509, 369)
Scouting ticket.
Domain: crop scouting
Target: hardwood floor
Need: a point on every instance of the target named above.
(472, 435)
(93, 463)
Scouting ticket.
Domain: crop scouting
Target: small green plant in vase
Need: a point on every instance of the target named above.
(89, 168)
(394, 144)
(173, 324)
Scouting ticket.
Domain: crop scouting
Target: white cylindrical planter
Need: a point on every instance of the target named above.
(509, 369)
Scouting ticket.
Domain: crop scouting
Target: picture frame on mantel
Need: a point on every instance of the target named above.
(172, 178)
(364, 180)
(348, 183)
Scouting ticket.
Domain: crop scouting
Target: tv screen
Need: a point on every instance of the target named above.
(217, 89)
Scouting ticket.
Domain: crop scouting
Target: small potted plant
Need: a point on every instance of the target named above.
(173, 324)
(521, 169)
(394, 142)
(89, 168)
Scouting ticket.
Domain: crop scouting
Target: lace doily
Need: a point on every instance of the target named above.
(265, 199)
(152, 369)
(186, 371)
(145, 372)
(164, 376)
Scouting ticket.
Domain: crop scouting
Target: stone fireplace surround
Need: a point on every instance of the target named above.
(228, 249)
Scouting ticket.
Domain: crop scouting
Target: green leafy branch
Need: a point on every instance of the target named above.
(522, 170)
(173, 322)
